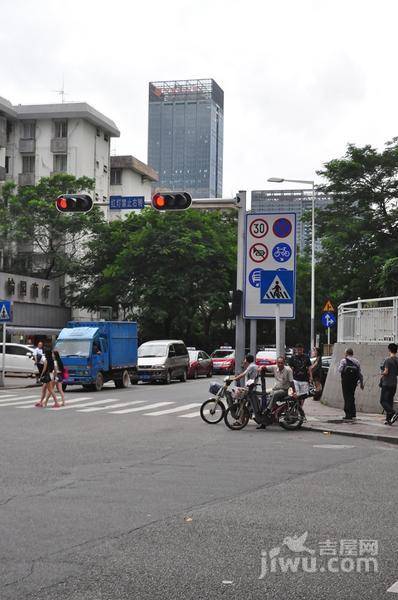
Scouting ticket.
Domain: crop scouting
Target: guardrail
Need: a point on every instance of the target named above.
(372, 320)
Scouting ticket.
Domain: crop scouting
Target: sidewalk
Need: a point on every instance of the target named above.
(14, 382)
(329, 420)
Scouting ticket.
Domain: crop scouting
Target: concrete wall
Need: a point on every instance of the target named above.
(370, 356)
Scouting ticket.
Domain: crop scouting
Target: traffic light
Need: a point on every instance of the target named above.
(67, 203)
(171, 201)
(235, 304)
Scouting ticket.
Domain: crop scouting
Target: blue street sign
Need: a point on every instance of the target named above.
(328, 319)
(255, 277)
(126, 202)
(282, 227)
(5, 311)
(277, 287)
(282, 252)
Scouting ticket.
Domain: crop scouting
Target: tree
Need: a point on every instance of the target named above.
(170, 271)
(359, 229)
(31, 226)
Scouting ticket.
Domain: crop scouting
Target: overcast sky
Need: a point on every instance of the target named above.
(301, 78)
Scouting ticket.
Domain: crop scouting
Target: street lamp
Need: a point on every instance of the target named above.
(307, 182)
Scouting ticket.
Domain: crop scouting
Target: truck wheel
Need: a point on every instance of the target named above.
(99, 382)
(124, 381)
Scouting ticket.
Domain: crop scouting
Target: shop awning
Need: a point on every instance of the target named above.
(22, 330)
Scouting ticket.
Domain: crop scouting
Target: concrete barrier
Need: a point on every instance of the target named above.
(370, 356)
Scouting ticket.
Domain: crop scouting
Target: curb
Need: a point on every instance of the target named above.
(19, 387)
(369, 436)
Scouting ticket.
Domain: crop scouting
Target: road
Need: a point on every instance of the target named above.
(148, 504)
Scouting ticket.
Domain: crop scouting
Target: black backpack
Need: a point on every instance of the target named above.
(350, 372)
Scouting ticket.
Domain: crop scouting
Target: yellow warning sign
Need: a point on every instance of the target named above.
(328, 307)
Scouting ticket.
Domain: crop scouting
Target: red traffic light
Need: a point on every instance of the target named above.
(67, 203)
(172, 201)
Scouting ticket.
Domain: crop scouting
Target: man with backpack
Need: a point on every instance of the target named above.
(351, 374)
(388, 383)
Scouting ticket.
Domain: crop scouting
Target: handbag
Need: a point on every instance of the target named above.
(45, 378)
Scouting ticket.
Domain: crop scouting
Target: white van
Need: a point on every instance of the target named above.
(163, 360)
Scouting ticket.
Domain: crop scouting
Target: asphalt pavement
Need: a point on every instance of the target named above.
(153, 504)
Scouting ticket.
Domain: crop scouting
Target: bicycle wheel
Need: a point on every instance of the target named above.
(292, 418)
(212, 411)
(236, 417)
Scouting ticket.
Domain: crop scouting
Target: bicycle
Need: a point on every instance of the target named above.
(213, 410)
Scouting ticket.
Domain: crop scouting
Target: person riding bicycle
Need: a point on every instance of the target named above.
(283, 376)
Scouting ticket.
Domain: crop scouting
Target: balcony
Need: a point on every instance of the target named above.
(59, 145)
(26, 179)
(2, 173)
(3, 132)
(28, 146)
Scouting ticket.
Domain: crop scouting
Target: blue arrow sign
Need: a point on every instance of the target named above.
(328, 320)
(277, 287)
(5, 311)
(126, 202)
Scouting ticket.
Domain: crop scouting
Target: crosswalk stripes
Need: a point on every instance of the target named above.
(190, 415)
(168, 411)
(19, 402)
(97, 408)
(130, 410)
(89, 403)
(74, 401)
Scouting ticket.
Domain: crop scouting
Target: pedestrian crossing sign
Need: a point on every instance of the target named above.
(5, 311)
(277, 287)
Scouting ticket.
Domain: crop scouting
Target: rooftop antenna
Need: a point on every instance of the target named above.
(62, 92)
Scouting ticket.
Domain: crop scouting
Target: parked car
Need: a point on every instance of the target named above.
(266, 358)
(224, 360)
(200, 363)
(163, 360)
(19, 359)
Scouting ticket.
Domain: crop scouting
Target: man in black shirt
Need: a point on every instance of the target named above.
(300, 364)
(388, 383)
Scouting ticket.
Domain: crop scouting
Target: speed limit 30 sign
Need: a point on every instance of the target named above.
(270, 265)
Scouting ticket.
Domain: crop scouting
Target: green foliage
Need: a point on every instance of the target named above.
(28, 216)
(172, 272)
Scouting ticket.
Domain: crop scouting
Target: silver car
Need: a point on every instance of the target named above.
(163, 360)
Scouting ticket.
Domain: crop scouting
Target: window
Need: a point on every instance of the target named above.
(98, 131)
(7, 164)
(28, 130)
(60, 129)
(34, 290)
(60, 163)
(9, 130)
(22, 288)
(28, 163)
(97, 164)
(116, 176)
(106, 137)
(180, 350)
(105, 168)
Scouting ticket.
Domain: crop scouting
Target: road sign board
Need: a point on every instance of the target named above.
(5, 311)
(328, 306)
(126, 202)
(270, 265)
(328, 319)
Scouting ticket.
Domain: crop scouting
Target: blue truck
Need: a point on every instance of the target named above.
(94, 352)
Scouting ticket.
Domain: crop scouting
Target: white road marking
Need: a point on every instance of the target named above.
(87, 410)
(333, 446)
(88, 403)
(173, 410)
(129, 410)
(7, 396)
(27, 400)
(51, 400)
(190, 415)
(393, 588)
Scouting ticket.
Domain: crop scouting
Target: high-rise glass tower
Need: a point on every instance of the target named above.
(185, 135)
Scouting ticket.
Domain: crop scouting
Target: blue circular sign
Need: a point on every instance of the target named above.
(255, 277)
(282, 227)
(282, 252)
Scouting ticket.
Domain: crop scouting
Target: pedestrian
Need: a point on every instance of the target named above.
(38, 358)
(316, 373)
(300, 364)
(351, 374)
(59, 375)
(48, 377)
(388, 383)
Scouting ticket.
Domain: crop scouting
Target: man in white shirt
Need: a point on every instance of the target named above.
(38, 357)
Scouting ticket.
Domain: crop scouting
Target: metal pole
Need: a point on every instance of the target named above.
(253, 337)
(240, 329)
(277, 330)
(328, 336)
(312, 339)
(3, 358)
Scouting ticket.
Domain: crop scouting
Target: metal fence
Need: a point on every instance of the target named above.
(372, 320)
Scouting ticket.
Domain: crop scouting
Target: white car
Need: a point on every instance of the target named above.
(18, 359)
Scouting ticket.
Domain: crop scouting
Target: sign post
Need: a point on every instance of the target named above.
(5, 317)
(270, 269)
(328, 319)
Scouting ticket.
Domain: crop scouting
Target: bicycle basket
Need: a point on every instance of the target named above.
(214, 388)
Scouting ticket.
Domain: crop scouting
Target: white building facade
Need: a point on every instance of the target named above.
(130, 177)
